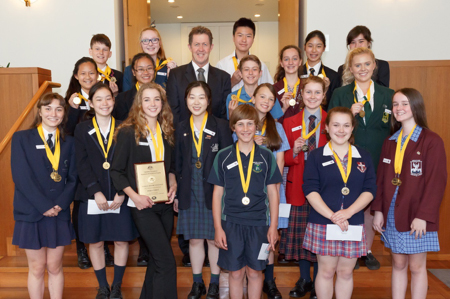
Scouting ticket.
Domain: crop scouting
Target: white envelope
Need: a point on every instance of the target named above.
(94, 210)
(130, 203)
(284, 210)
(264, 252)
(334, 233)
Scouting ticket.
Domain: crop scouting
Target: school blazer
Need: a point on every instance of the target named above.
(124, 101)
(381, 75)
(212, 143)
(75, 116)
(334, 81)
(35, 192)
(369, 136)
(294, 180)
(90, 158)
(219, 81)
(423, 176)
(291, 110)
(127, 153)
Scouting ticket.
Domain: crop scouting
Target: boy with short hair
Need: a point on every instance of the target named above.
(243, 36)
(100, 51)
(245, 176)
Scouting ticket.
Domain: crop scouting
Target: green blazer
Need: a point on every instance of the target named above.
(369, 136)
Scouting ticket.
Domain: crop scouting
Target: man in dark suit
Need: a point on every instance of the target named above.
(200, 44)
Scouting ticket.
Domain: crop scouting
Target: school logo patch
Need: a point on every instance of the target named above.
(215, 147)
(257, 167)
(385, 118)
(361, 167)
(416, 167)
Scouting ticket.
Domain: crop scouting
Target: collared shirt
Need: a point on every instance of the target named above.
(328, 152)
(205, 67)
(414, 136)
(227, 65)
(318, 116)
(46, 135)
(105, 134)
(360, 95)
(197, 131)
(83, 103)
(316, 69)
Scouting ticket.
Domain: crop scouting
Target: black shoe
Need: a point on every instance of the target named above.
(270, 288)
(83, 259)
(103, 293)
(186, 260)
(313, 294)
(213, 291)
(109, 259)
(197, 291)
(116, 292)
(142, 260)
(371, 262)
(301, 288)
(282, 259)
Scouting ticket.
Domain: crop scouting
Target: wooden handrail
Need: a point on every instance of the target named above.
(25, 112)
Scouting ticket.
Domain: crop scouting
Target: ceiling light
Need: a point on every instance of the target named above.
(171, 1)
(28, 2)
(257, 15)
(179, 17)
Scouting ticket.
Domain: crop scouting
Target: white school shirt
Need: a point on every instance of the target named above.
(316, 69)
(46, 135)
(152, 148)
(360, 95)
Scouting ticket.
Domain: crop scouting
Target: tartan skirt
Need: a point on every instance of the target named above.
(291, 243)
(315, 241)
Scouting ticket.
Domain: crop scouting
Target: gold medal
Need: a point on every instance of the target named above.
(57, 178)
(362, 113)
(396, 182)
(77, 100)
(399, 154)
(399, 181)
(233, 97)
(52, 175)
(345, 191)
(321, 76)
(106, 165)
(100, 78)
(305, 148)
(292, 102)
(198, 144)
(245, 200)
(113, 79)
(198, 164)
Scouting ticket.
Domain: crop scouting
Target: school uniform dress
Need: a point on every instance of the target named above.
(322, 176)
(331, 74)
(123, 104)
(369, 133)
(115, 74)
(381, 75)
(154, 224)
(424, 177)
(195, 220)
(94, 178)
(75, 116)
(161, 78)
(291, 243)
(35, 192)
(291, 110)
(227, 65)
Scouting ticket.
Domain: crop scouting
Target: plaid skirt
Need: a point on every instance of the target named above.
(291, 244)
(315, 241)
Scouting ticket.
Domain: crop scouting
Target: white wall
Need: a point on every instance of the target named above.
(401, 29)
(54, 34)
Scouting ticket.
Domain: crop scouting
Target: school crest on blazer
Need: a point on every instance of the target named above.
(416, 167)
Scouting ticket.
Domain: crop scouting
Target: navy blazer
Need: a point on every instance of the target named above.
(75, 116)
(219, 81)
(90, 158)
(35, 192)
(322, 175)
(381, 75)
(210, 147)
(334, 81)
(123, 104)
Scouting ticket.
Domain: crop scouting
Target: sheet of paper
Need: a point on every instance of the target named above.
(334, 232)
(264, 252)
(94, 210)
(130, 203)
(284, 210)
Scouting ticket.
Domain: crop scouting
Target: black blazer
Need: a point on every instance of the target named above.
(127, 153)
(75, 116)
(380, 76)
(119, 79)
(211, 146)
(218, 80)
(123, 104)
(334, 81)
(90, 158)
(35, 192)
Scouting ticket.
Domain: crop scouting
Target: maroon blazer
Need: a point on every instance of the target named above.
(294, 180)
(424, 176)
(291, 111)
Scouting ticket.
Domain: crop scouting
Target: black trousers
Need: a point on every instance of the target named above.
(155, 226)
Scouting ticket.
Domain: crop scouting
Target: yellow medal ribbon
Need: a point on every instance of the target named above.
(339, 164)
(99, 137)
(198, 145)
(323, 71)
(263, 130)
(160, 65)
(294, 91)
(52, 157)
(304, 135)
(235, 63)
(400, 151)
(137, 86)
(245, 181)
(354, 95)
(157, 142)
(239, 97)
(106, 74)
(82, 97)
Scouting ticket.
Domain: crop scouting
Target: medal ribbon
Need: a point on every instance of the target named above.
(235, 63)
(239, 96)
(198, 145)
(157, 145)
(245, 182)
(294, 91)
(137, 86)
(99, 137)
(160, 65)
(354, 95)
(400, 151)
(339, 164)
(304, 135)
(323, 71)
(82, 97)
(106, 74)
(52, 157)
(263, 130)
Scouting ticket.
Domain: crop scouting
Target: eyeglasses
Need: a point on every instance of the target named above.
(146, 41)
(142, 70)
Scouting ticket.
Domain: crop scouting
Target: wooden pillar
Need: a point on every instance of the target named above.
(136, 16)
(288, 23)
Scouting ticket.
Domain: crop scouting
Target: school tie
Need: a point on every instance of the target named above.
(201, 75)
(367, 110)
(50, 143)
(312, 138)
(312, 71)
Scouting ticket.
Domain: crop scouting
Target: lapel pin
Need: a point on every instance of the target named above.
(418, 153)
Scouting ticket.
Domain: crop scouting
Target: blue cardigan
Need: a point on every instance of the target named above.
(322, 175)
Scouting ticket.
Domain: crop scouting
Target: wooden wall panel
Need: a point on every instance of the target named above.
(288, 23)
(432, 79)
(136, 14)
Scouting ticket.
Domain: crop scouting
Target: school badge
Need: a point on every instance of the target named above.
(361, 167)
(416, 167)
(215, 147)
(257, 167)
(385, 118)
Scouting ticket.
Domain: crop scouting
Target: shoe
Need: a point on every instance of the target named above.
(371, 262)
(282, 259)
(142, 260)
(301, 288)
(186, 260)
(116, 292)
(213, 291)
(270, 288)
(109, 259)
(102, 293)
(313, 294)
(356, 265)
(197, 291)
(83, 259)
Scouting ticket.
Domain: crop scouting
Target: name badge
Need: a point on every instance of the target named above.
(387, 111)
(91, 131)
(161, 73)
(281, 91)
(40, 146)
(209, 132)
(328, 163)
(143, 143)
(84, 108)
(234, 164)
(296, 128)
(387, 161)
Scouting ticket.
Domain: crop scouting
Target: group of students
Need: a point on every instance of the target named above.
(236, 149)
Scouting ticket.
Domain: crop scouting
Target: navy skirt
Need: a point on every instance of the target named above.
(49, 232)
